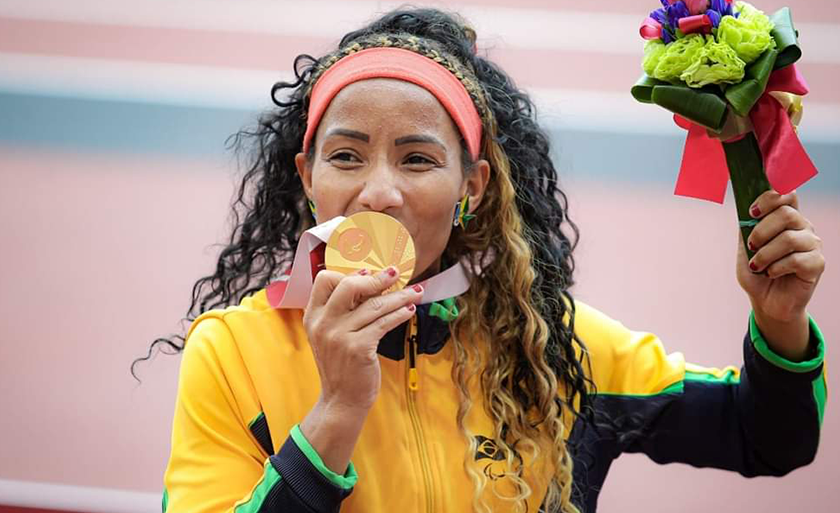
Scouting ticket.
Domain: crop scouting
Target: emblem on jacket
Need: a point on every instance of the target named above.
(492, 459)
(489, 455)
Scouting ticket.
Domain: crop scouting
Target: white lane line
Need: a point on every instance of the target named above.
(30, 494)
(496, 26)
(226, 88)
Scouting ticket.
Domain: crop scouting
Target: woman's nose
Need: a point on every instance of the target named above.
(381, 191)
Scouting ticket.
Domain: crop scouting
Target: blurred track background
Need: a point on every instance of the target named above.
(115, 183)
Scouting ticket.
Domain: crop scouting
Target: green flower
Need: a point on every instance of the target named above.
(748, 34)
(749, 12)
(716, 63)
(654, 49)
(677, 57)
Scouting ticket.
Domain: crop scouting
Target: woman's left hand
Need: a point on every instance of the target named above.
(782, 276)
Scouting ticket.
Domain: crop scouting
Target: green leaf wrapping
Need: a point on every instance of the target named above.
(704, 108)
(786, 36)
(643, 88)
(746, 171)
(743, 96)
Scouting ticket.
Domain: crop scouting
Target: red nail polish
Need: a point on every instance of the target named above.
(755, 211)
(417, 288)
(392, 272)
(753, 266)
(751, 245)
(411, 307)
(364, 272)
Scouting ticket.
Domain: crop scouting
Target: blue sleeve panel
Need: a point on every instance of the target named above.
(764, 423)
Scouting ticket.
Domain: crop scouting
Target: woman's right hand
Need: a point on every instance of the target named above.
(345, 319)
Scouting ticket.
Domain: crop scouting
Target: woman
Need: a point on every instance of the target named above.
(512, 396)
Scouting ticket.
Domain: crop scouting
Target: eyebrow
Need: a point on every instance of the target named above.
(346, 132)
(408, 139)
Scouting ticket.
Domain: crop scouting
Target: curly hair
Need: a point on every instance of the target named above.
(530, 365)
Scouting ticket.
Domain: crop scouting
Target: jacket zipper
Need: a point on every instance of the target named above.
(412, 386)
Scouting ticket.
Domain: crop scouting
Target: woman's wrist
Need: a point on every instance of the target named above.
(333, 430)
(788, 338)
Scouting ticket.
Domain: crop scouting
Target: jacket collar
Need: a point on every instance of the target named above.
(432, 334)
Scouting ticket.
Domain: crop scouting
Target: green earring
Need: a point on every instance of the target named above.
(462, 215)
(312, 208)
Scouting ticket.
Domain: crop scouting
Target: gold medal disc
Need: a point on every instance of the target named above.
(372, 241)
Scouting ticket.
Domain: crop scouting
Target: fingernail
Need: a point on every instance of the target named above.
(364, 272)
(753, 266)
(391, 272)
(411, 307)
(755, 211)
(751, 245)
(418, 289)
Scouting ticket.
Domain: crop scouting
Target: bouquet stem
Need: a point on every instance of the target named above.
(746, 171)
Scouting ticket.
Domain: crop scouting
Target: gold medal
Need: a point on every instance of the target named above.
(373, 241)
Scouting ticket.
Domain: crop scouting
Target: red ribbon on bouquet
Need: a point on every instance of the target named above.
(704, 174)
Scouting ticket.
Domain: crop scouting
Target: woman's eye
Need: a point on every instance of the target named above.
(419, 160)
(344, 156)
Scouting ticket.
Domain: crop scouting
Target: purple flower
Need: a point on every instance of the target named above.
(659, 15)
(724, 7)
(681, 9)
(676, 11)
(666, 36)
(714, 16)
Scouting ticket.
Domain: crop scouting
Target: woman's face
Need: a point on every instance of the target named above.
(389, 146)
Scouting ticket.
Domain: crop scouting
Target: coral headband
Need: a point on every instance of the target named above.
(402, 65)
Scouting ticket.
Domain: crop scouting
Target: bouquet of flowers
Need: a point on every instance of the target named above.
(726, 70)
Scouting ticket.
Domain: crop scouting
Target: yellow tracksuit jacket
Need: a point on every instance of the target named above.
(248, 378)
